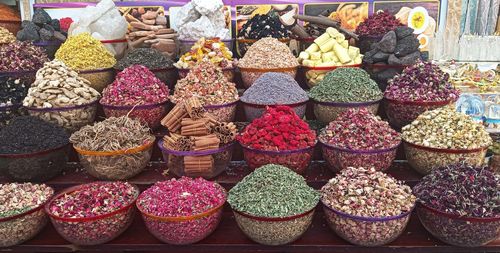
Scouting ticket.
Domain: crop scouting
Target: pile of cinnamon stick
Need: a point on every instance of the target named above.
(150, 30)
(193, 129)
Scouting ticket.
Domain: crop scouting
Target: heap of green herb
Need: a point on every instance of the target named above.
(346, 85)
(273, 191)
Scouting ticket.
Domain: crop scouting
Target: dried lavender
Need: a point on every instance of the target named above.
(461, 190)
(274, 89)
(29, 134)
(148, 57)
(346, 85)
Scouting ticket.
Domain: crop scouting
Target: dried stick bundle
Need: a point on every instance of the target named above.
(178, 142)
(206, 142)
(226, 132)
(198, 164)
(173, 119)
(194, 108)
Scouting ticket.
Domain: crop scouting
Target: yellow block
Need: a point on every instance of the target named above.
(312, 48)
(322, 39)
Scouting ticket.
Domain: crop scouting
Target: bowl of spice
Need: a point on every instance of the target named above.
(273, 205)
(182, 211)
(458, 204)
(443, 137)
(278, 137)
(267, 55)
(213, 49)
(343, 89)
(32, 149)
(357, 138)
(367, 207)
(88, 56)
(6, 37)
(161, 65)
(21, 214)
(329, 51)
(60, 96)
(258, 27)
(421, 87)
(272, 89)
(374, 28)
(93, 213)
(215, 92)
(114, 149)
(197, 145)
(187, 45)
(137, 93)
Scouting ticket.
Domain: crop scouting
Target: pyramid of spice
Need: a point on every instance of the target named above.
(423, 82)
(360, 130)
(18, 198)
(147, 57)
(347, 85)
(268, 53)
(206, 82)
(378, 24)
(278, 129)
(274, 89)
(213, 49)
(135, 85)
(445, 128)
(56, 86)
(21, 56)
(83, 52)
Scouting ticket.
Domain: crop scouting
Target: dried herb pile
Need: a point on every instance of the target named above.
(212, 49)
(461, 190)
(274, 89)
(273, 191)
(378, 24)
(148, 57)
(261, 26)
(268, 53)
(17, 198)
(112, 134)
(21, 56)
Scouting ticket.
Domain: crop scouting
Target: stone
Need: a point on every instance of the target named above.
(406, 46)
(59, 36)
(46, 35)
(41, 17)
(29, 32)
(368, 57)
(411, 58)
(393, 60)
(55, 24)
(380, 57)
(388, 43)
(403, 32)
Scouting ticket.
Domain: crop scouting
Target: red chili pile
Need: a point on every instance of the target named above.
(378, 24)
(277, 130)
(360, 130)
(135, 85)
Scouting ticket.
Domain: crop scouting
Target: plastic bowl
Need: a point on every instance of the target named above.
(117, 47)
(425, 159)
(458, 230)
(147, 114)
(185, 229)
(274, 231)
(340, 159)
(175, 160)
(186, 45)
(381, 73)
(402, 113)
(22, 227)
(327, 112)
(365, 42)
(224, 112)
(366, 231)
(242, 45)
(167, 75)
(228, 73)
(34, 167)
(115, 165)
(92, 230)
(8, 112)
(249, 75)
(296, 160)
(50, 47)
(316, 74)
(98, 78)
(71, 118)
(254, 111)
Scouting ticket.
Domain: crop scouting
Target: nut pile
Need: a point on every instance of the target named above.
(16, 199)
(89, 201)
(206, 82)
(182, 198)
(268, 53)
(147, 57)
(83, 52)
(445, 128)
(273, 191)
(21, 56)
(367, 193)
(213, 49)
(423, 81)
(346, 85)
(114, 135)
(6, 36)
(57, 86)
